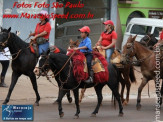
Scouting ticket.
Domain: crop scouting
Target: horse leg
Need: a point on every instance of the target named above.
(118, 98)
(143, 83)
(76, 95)
(34, 84)
(82, 95)
(69, 96)
(98, 90)
(122, 81)
(61, 95)
(14, 80)
(128, 85)
(161, 92)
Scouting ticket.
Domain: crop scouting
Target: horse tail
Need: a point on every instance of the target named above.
(132, 75)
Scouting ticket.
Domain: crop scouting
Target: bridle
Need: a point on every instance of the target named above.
(4, 44)
(130, 49)
(128, 55)
(149, 39)
(54, 74)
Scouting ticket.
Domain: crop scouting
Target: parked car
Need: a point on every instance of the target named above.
(142, 26)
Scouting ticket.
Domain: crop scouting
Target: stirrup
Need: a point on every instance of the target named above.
(89, 80)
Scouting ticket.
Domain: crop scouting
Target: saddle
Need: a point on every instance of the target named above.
(101, 51)
(34, 49)
(115, 58)
(97, 66)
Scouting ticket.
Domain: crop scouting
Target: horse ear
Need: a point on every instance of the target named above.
(1, 29)
(134, 37)
(71, 41)
(77, 42)
(9, 29)
(48, 51)
(151, 35)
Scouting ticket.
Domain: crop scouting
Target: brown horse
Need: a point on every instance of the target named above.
(128, 75)
(147, 60)
(127, 72)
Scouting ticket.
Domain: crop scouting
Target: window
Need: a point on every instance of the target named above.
(141, 29)
(128, 28)
(157, 31)
(59, 32)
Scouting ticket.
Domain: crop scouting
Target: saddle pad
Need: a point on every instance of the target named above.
(85, 65)
(97, 67)
(101, 51)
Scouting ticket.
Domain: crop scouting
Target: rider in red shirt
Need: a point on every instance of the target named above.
(42, 29)
(161, 35)
(108, 39)
(161, 39)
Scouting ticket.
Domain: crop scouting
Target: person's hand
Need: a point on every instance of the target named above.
(104, 48)
(97, 44)
(75, 49)
(31, 34)
(34, 38)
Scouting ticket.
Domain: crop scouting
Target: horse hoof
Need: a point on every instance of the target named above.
(124, 103)
(93, 115)
(36, 103)
(121, 114)
(138, 107)
(55, 102)
(61, 115)
(79, 101)
(76, 116)
(5, 103)
(70, 100)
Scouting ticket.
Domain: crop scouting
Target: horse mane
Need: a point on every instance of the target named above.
(18, 40)
(145, 48)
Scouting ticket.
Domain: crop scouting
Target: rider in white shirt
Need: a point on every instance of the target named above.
(4, 60)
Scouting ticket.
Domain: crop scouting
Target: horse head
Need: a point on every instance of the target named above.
(148, 40)
(128, 50)
(4, 37)
(42, 66)
(72, 44)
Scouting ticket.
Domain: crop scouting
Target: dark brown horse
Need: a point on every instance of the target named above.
(126, 76)
(148, 63)
(127, 72)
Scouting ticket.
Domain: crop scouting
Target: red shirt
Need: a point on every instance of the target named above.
(41, 28)
(161, 35)
(107, 38)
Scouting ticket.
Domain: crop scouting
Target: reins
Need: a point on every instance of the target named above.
(17, 53)
(58, 73)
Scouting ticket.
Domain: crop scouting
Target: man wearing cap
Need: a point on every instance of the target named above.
(86, 47)
(108, 39)
(42, 30)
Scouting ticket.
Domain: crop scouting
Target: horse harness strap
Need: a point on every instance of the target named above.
(64, 64)
(5, 43)
(132, 48)
(149, 39)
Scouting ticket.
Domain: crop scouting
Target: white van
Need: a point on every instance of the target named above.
(142, 26)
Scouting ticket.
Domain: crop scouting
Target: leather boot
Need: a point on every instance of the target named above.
(90, 79)
(2, 84)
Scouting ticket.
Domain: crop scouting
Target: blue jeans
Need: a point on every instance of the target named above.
(109, 52)
(43, 47)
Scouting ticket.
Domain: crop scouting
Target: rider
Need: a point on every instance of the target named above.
(86, 47)
(42, 32)
(4, 60)
(108, 39)
(161, 39)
